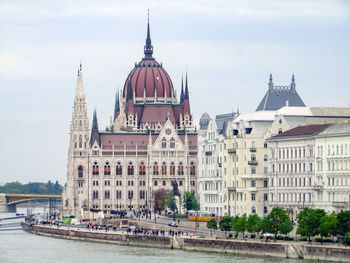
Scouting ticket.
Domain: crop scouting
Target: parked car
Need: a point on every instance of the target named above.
(172, 223)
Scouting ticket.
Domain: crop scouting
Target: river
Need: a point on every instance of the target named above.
(20, 246)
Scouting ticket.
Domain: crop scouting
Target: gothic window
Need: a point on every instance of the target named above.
(253, 158)
(107, 169)
(172, 168)
(80, 142)
(107, 194)
(193, 169)
(130, 195)
(118, 169)
(130, 169)
(80, 171)
(142, 194)
(253, 183)
(172, 143)
(142, 169)
(155, 169)
(163, 143)
(95, 169)
(119, 194)
(180, 169)
(164, 168)
(164, 183)
(94, 194)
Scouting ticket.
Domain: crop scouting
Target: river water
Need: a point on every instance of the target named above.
(20, 246)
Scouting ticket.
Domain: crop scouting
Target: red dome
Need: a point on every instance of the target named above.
(148, 75)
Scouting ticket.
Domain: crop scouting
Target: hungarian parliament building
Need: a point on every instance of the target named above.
(150, 144)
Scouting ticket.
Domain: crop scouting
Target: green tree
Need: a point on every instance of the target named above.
(286, 227)
(212, 224)
(343, 224)
(253, 223)
(190, 202)
(274, 219)
(241, 224)
(328, 225)
(160, 199)
(309, 221)
(225, 224)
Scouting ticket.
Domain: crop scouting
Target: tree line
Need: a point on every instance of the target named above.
(165, 199)
(311, 223)
(32, 188)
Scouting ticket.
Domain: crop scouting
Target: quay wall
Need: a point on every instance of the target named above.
(237, 247)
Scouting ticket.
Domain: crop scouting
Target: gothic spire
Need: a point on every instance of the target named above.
(148, 49)
(79, 92)
(95, 135)
(94, 122)
(292, 85)
(116, 105)
(186, 90)
(270, 83)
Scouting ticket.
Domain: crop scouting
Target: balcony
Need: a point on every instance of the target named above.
(254, 176)
(340, 204)
(318, 188)
(253, 162)
(231, 189)
(252, 149)
(233, 150)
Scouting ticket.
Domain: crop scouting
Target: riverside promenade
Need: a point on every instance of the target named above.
(279, 249)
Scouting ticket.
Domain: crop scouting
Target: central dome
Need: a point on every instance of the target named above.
(149, 78)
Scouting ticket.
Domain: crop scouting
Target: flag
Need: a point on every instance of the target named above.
(158, 77)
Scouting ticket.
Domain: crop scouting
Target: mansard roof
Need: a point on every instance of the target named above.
(278, 96)
(223, 120)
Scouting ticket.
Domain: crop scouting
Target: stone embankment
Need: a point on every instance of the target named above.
(237, 247)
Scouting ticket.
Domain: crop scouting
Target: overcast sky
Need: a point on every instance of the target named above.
(229, 48)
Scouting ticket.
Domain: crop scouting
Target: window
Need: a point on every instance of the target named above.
(265, 184)
(265, 145)
(130, 183)
(155, 183)
(118, 169)
(172, 168)
(265, 197)
(107, 169)
(172, 143)
(164, 183)
(95, 182)
(253, 170)
(118, 183)
(130, 194)
(130, 169)
(163, 143)
(265, 157)
(265, 170)
(142, 169)
(155, 168)
(118, 194)
(142, 194)
(180, 183)
(95, 169)
(180, 169)
(252, 183)
(142, 183)
(80, 171)
(192, 183)
(253, 197)
(107, 194)
(253, 158)
(193, 169)
(164, 172)
(94, 194)
(107, 182)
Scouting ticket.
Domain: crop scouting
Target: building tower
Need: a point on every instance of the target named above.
(77, 167)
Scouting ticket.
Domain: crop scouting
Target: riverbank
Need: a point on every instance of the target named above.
(189, 243)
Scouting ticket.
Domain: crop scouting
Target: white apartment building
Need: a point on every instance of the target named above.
(210, 158)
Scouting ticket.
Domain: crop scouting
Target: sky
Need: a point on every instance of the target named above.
(228, 48)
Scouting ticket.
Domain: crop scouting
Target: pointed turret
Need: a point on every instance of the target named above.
(270, 83)
(292, 85)
(186, 96)
(79, 92)
(148, 49)
(116, 105)
(95, 136)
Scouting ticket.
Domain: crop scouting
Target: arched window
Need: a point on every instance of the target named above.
(80, 142)
(118, 169)
(265, 157)
(95, 169)
(142, 169)
(130, 169)
(80, 171)
(193, 169)
(155, 169)
(180, 169)
(163, 168)
(163, 143)
(172, 143)
(172, 168)
(107, 169)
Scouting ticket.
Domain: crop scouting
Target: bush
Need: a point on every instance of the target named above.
(279, 237)
(230, 235)
(347, 238)
(302, 238)
(288, 238)
(317, 239)
(252, 235)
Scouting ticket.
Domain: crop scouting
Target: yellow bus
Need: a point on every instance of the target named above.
(200, 216)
